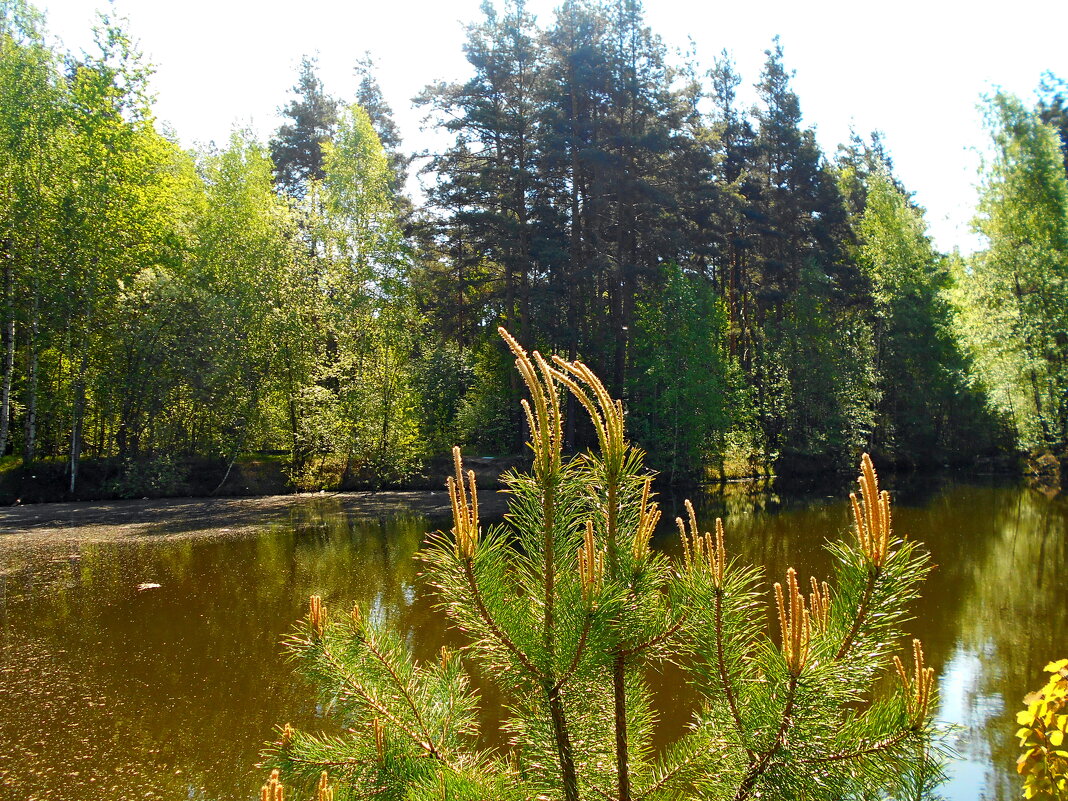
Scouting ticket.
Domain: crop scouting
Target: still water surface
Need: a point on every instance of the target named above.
(107, 692)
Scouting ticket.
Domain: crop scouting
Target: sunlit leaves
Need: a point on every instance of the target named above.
(1044, 721)
(1014, 294)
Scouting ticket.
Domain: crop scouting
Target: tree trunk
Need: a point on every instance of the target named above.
(29, 440)
(9, 356)
(78, 417)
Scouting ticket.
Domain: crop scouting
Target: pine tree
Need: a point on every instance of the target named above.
(809, 394)
(297, 146)
(566, 605)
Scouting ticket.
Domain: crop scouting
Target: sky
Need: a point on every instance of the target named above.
(914, 69)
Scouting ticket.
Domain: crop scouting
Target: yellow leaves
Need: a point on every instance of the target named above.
(649, 516)
(379, 733)
(918, 688)
(606, 414)
(702, 551)
(323, 791)
(545, 419)
(1044, 763)
(819, 604)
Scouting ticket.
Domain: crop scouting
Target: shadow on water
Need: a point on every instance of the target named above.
(114, 692)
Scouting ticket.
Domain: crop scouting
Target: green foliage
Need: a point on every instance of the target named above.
(921, 395)
(1013, 296)
(566, 607)
(678, 380)
(297, 148)
(286, 297)
(1044, 761)
(484, 418)
(157, 302)
(148, 477)
(444, 375)
(816, 402)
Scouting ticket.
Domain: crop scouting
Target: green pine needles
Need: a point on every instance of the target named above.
(565, 605)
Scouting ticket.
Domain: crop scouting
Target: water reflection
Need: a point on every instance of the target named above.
(111, 692)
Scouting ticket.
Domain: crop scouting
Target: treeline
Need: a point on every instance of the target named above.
(755, 302)
(160, 304)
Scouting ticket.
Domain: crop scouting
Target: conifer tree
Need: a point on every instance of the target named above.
(565, 605)
(297, 147)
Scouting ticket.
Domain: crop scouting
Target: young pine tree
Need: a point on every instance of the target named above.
(565, 605)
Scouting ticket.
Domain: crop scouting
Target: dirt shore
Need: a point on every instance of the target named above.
(181, 518)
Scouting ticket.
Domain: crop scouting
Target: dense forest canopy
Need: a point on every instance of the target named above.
(756, 302)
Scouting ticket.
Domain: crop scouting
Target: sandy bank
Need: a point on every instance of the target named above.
(179, 518)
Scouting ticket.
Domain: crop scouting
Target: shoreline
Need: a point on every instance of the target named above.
(160, 519)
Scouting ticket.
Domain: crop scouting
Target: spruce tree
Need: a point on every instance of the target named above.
(566, 605)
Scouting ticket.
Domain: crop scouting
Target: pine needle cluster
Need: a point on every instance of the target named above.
(566, 606)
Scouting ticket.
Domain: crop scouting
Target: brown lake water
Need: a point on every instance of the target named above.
(108, 692)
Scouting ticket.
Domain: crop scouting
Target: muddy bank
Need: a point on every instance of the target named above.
(163, 477)
(178, 518)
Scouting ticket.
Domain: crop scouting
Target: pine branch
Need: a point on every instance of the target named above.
(428, 744)
(357, 689)
(580, 648)
(725, 681)
(693, 761)
(861, 613)
(883, 745)
(501, 637)
(657, 640)
(757, 770)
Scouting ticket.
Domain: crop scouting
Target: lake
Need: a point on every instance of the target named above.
(111, 692)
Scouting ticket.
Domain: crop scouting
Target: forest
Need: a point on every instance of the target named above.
(759, 305)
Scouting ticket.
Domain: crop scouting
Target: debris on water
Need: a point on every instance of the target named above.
(148, 585)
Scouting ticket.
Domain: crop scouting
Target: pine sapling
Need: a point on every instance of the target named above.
(565, 605)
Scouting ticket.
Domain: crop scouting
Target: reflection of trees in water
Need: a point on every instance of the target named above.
(126, 688)
(1013, 618)
(191, 675)
(991, 614)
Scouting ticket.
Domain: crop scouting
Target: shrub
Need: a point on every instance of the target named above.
(1044, 761)
(565, 605)
(153, 476)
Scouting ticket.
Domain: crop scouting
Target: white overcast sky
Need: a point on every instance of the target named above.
(914, 69)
